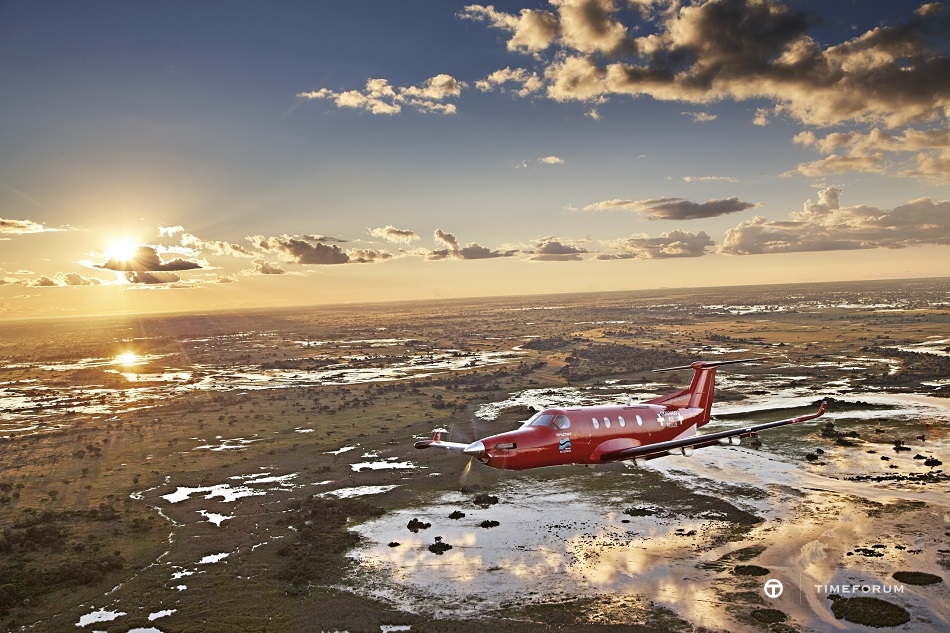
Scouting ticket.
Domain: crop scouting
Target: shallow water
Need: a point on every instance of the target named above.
(558, 540)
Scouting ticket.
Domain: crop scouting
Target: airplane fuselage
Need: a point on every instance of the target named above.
(555, 437)
(665, 425)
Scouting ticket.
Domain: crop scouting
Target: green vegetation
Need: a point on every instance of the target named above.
(749, 570)
(314, 553)
(599, 360)
(868, 611)
(916, 578)
(769, 616)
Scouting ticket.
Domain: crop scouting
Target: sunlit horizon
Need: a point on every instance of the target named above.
(604, 152)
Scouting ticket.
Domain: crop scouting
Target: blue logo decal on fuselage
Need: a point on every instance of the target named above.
(565, 445)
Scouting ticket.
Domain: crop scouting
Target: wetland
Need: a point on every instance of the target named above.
(255, 471)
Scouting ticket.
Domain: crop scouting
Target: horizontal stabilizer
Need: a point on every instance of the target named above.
(706, 364)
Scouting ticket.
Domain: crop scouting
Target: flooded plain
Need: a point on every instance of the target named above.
(254, 470)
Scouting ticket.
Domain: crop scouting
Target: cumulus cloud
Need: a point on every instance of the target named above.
(455, 250)
(367, 255)
(706, 51)
(668, 245)
(551, 160)
(524, 83)
(674, 208)
(826, 225)
(550, 249)
(531, 31)
(392, 234)
(379, 97)
(300, 251)
(147, 259)
(20, 227)
(75, 279)
(926, 153)
(261, 267)
(43, 282)
(589, 26)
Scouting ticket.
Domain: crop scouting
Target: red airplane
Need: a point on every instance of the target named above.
(600, 434)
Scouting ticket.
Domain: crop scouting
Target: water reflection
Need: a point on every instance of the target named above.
(47, 395)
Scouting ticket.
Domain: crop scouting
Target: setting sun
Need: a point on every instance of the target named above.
(121, 250)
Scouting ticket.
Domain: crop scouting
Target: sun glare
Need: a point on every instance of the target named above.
(122, 250)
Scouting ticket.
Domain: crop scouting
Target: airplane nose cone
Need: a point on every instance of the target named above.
(475, 449)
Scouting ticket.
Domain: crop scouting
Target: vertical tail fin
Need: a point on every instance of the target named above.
(702, 389)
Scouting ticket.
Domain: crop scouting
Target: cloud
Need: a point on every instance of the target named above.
(64, 279)
(149, 278)
(75, 279)
(20, 227)
(835, 164)
(300, 251)
(455, 250)
(550, 249)
(923, 154)
(214, 246)
(170, 230)
(674, 208)
(668, 245)
(392, 234)
(526, 83)
(379, 97)
(826, 225)
(261, 267)
(710, 179)
(705, 51)
(531, 31)
(324, 239)
(367, 256)
(584, 25)
(43, 281)
(147, 259)
(700, 117)
(551, 160)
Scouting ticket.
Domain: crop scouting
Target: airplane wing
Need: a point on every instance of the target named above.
(686, 444)
(437, 442)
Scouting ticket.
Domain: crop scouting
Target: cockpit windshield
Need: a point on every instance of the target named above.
(549, 420)
(542, 419)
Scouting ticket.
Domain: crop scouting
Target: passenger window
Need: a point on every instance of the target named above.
(621, 420)
(639, 421)
(562, 422)
(596, 423)
(607, 422)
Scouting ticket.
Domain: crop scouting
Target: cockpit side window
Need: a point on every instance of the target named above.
(561, 422)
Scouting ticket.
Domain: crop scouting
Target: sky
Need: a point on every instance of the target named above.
(172, 155)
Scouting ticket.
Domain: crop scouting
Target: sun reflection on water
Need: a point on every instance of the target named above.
(127, 359)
